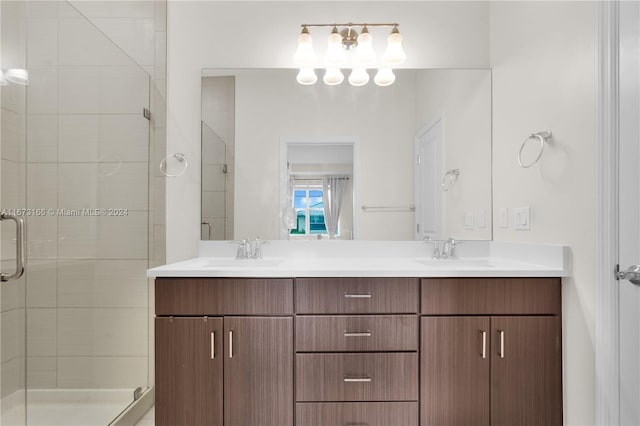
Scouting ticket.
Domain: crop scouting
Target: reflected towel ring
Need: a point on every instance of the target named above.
(178, 156)
(541, 137)
(453, 177)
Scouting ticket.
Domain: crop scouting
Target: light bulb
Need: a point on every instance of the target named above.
(394, 55)
(364, 54)
(305, 55)
(358, 77)
(335, 55)
(17, 76)
(333, 77)
(384, 77)
(307, 76)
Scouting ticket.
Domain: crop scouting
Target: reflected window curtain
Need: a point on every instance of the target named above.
(332, 191)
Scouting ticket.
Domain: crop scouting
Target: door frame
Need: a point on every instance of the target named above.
(607, 333)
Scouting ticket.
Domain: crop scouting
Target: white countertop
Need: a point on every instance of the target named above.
(374, 259)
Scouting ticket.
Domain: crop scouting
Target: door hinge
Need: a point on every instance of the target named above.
(616, 271)
(137, 394)
(146, 113)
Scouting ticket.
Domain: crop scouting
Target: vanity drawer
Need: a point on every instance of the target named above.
(357, 377)
(356, 295)
(359, 333)
(357, 413)
(491, 296)
(224, 296)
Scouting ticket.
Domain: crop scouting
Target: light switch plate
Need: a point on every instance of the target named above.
(503, 217)
(468, 220)
(482, 223)
(522, 218)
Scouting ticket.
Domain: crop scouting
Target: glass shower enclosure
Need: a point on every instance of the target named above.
(74, 167)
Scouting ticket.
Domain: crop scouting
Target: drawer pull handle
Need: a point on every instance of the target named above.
(357, 379)
(501, 350)
(357, 295)
(231, 344)
(357, 334)
(483, 352)
(356, 424)
(213, 345)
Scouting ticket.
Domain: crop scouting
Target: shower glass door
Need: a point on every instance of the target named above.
(75, 167)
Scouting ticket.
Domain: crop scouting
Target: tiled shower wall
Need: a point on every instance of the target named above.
(88, 311)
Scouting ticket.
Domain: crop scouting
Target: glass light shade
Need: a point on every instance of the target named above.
(364, 54)
(307, 76)
(384, 77)
(358, 77)
(305, 55)
(333, 77)
(17, 76)
(394, 55)
(335, 54)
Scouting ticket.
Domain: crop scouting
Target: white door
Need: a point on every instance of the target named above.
(428, 173)
(629, 212)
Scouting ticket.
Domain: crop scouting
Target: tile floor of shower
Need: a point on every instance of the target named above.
(66, 407)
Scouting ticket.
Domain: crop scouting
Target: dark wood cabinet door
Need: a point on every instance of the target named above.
(189, 361)
(526, 371)
(258, 371)
(454, 375)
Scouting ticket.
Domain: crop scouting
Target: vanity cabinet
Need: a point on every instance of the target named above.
(224, 352)
(491, 352)
(356, 344)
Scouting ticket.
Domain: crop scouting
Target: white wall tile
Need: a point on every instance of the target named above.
(42, 42)
(42, 183)
(42, 138)
(12, 327)
(12, 378)
(82, 44)
(102, 284)
(91, 138)
(213, 179)
(42, 96)
(213, 204)
(12, 184)
(102, 372)
(41, 331)
(105, 185)
(10, 291)
(111, 90)
(135, 36)
(102, 332)
(42, 237)
(13, 135)
(118, 9)
(42, 9)
(41, 372)
(122, 237)
(42, 283)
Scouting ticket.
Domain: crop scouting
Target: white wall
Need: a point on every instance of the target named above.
(543, 56)
(263, 35)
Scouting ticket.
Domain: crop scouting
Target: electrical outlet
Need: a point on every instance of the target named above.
(522, 218)
(503, 217)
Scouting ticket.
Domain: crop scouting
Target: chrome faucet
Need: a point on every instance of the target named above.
(446, 250)
(248, 249)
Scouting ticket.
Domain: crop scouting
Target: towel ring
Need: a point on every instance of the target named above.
(453, 177)
(541, 137)
(178, 156)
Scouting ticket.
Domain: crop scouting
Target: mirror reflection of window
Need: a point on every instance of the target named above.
(309, 208)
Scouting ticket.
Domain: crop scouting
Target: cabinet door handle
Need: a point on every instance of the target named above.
(357, 379)
(231, 344)
(356, 424)
(501, 349)
(357, 295)
(483, 352)
(213, 345)
(357, 334)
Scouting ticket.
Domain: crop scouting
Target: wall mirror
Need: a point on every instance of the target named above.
(414, 157)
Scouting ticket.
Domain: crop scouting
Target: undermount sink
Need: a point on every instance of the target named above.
(455, 262)
(239, 263)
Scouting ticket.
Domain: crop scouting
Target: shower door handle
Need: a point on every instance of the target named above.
(208, 225)
(632, 274)
(19, 248)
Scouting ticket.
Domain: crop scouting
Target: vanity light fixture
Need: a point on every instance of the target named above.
(342, 39)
